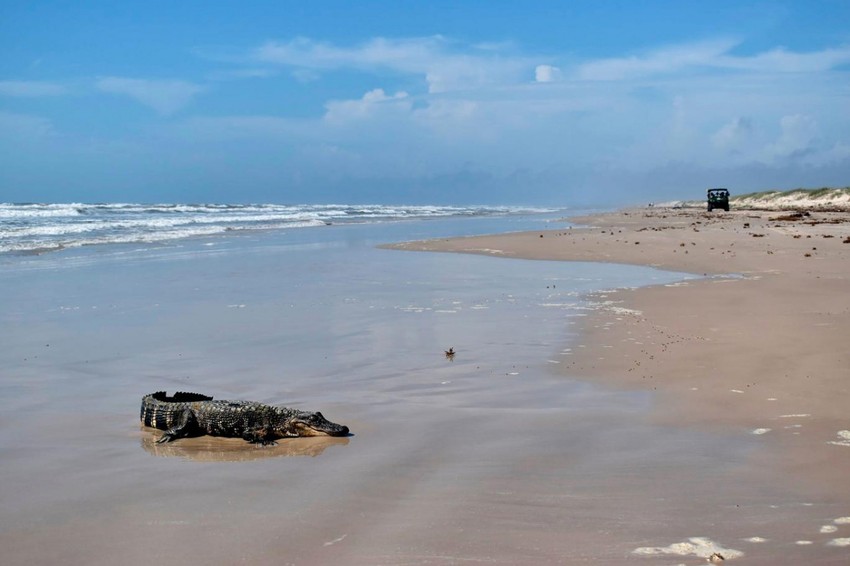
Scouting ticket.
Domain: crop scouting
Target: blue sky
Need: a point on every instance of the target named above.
(550, 102)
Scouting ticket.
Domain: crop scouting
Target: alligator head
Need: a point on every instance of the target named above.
(303, 423)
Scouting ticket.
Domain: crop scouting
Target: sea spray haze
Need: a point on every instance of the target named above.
(35, 228)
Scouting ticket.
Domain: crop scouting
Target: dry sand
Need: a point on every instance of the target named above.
(759, 347)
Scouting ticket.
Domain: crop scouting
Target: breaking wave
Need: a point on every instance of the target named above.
(33, 228)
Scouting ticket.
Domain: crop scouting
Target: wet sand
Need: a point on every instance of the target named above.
(761, 353)
(526, 449)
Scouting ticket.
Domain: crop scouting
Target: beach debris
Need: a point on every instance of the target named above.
(696, 546)
(450, 354)
(799, 215)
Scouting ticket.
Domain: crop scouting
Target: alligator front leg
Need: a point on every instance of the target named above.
(260, 435)
(186, 425)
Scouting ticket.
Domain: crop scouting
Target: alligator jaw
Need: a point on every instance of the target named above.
(305, 429)
(314, 424)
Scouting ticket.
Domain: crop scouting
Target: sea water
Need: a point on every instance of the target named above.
(319, 319)
(273, 312)
(36, 228)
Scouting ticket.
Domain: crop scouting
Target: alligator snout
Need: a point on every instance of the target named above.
(315, 424)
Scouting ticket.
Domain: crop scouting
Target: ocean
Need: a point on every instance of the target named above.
(38, 228)
(316, 317)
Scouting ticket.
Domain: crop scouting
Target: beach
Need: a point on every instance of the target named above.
(761, 351)
(674, 386)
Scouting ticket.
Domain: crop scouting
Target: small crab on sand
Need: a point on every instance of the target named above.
(450, 354)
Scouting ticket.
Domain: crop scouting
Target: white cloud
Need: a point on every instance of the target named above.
(781, 60)
(798, 137)
(443, 64)
(407, 55)
(31, 88)
(165, 96)
(655, 116)
(338, 111)
(715, 55)
(547, 74)
(733, 134)
(836, 154)
(665, 60)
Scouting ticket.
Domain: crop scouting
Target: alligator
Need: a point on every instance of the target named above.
(192, 414)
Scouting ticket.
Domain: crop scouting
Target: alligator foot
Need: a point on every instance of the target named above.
(262, 436)
(186, 425)
(166, 437)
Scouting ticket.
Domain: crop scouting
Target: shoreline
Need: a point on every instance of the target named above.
(508, 454)
(758, 348)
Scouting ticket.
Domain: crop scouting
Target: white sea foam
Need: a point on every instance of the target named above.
(44, 227)
(844, 438)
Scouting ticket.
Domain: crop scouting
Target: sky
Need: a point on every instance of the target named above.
(566, 103)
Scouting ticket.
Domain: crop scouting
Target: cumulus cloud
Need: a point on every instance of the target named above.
(734, 134)
(799, 133)
(653, 117)
(164, 96)
(30, 88)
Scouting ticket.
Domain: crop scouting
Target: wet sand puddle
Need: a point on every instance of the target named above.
(211, 449)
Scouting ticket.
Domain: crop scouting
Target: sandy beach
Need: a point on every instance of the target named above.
(690, 413)
(758, 347)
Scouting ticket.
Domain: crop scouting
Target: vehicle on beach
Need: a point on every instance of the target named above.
(718, 198)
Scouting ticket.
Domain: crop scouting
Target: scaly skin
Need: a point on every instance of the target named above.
(192, 414)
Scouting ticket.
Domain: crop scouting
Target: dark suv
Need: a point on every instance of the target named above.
(718, 198)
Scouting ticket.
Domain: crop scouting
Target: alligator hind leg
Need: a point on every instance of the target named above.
(187, 425)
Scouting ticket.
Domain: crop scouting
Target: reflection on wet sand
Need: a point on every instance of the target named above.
(214, 449)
